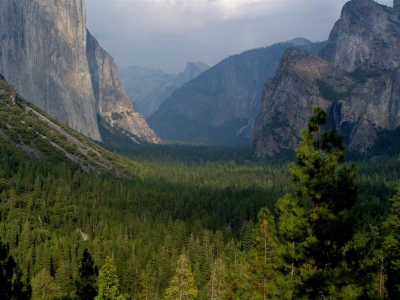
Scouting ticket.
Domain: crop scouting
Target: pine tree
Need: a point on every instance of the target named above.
(86, 287)
(391, 246)
(182, 285)
(265, 259)
(217, 284)
(44, 287)
(11, 285)
(108, 282)
(316, 223)
(147, 283)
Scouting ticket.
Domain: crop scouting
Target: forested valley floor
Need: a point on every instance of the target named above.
(186, 213)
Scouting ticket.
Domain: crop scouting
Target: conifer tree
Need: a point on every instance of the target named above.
(147, 283)
(182, 285)
(316, 222)
(108, 282)
(86, 287)
(44, 287)
(265, 259)
(391, 246)
(217, 285)
(11, 285)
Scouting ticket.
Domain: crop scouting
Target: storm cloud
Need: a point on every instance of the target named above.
(165, 34)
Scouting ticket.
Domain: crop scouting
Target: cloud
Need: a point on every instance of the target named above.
(166, 34)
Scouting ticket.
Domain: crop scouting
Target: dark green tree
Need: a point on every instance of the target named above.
(316, 223)
(11, 284)
(265, 260)
(86, 286)
(391, 246)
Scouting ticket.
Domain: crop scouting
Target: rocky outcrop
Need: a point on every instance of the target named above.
(107, 89)
(221, 104)
(367, 33)
(357, 82)
(359, 103)
(43, 53)
(147, 89)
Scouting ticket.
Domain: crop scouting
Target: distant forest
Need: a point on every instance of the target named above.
(203, 222)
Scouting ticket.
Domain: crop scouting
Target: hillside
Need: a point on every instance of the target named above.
(41, 137)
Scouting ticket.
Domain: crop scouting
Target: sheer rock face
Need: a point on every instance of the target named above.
(366, 40)
(107, 88)
(43, 53)
(361, 111)
(366, 33)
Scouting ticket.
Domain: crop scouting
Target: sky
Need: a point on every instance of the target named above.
(166, 34)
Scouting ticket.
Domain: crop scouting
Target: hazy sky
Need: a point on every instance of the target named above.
(165, 34)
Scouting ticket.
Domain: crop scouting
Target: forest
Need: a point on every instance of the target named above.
(203, 222)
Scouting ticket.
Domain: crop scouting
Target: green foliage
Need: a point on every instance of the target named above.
(391, 246)
(44, 287)
(116, 116)
(361, 75)
(316, 223)
(86, 285)
(330, 93)
(108, 282)
(167, 198)
(11, 284)
(182, 285)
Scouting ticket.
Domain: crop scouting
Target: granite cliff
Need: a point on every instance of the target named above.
(356, 79)
(221, 104)
(147, 89)
(47, 54)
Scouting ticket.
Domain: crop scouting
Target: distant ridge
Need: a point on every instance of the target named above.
(147, 89)
(221, 104)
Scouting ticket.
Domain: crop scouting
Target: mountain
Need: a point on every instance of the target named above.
(49, 56)
(221, 104)
(367, 33)
(32, 132)
(356, 79)
(147, 89)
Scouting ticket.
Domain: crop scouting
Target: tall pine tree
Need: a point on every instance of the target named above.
(316, 222)
(391, 246)
(86, 287)
(108, 282)
(182, 285)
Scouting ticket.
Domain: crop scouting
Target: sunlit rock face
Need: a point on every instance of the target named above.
(45, 53)
(367, 33)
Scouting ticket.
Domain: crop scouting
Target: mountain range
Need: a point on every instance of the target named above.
(147, 88)
(221, 104)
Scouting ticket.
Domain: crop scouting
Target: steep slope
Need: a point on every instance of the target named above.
(360, 91)
(221, 104)
(147, 89)
(29, 129)
(360, 103)
(367, 33)
(111, 101)
(44, 49)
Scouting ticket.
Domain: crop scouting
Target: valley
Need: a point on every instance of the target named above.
(273, 174)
